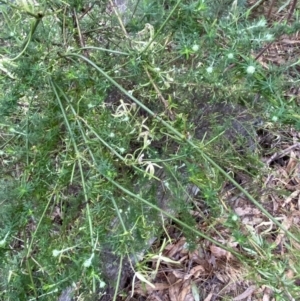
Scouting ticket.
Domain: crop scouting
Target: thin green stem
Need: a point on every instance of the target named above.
(119, 278)
(118, 213)
(78, 157)
(31, 277)
(28, 39)
(105, 50)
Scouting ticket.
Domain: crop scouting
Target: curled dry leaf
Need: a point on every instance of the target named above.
(267, 293)
(197, 271)
(178, 274)
(177, 248)
(286, 224)
(218, 252)
(292, 196)
(292, 164)
(247, 210)
(248, 292)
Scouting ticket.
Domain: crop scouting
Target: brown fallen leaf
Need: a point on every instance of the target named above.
(177, 248)
(185, 290)
(245, 211)
(293, 161)
(219, 252)
(248, 292)
(292, 196)
(267, 294)
(178, 274)
(174, 291)
(209, 297)
(197, 270)
(286, 224)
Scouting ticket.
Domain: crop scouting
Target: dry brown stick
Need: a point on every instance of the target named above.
(263, 51)
(282, 153)
(118, 17)
(291, 10)
(80, 37)
(270, 10)
(87, 10)
(257, 4)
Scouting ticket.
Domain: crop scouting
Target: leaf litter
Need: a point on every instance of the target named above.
(210, 273)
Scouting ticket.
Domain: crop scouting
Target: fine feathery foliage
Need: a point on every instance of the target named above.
(114, 116)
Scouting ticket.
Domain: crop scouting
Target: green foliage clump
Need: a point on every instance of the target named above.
(96, 132)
